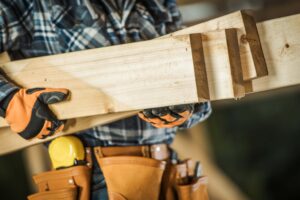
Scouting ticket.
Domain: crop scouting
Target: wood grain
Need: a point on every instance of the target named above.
(280, 40)
(154, 70)
(12, 142)
(174, 70)
(223, 64)
(114, 79)
(218, 49)
(253, 63)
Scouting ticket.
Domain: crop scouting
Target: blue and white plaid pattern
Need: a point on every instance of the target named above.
(31, 28)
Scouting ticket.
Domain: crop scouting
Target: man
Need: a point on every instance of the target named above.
(31, 28)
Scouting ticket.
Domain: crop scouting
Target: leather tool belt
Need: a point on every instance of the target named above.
(71, 183)
(131, 173)
(146, 172)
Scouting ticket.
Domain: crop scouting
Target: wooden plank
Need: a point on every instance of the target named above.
(4, 58)
(12, 142)
(253, 63)
(178, 77)
(235, 63)
(158, 73)
(281, 45)
(98, 91)
(223, 64)
(200, 67)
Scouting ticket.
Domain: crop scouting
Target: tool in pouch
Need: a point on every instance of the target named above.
(132, 177)
(71, 174)
(189, 182)
(131, 173)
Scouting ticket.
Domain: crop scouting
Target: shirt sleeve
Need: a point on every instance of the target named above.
(14, 25)
(3, 30)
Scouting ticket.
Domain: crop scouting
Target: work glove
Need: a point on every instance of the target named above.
(167, 117)
(28, 114)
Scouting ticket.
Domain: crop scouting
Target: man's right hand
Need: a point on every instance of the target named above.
(27, 111)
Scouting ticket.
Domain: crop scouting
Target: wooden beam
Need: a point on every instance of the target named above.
(253, 63)
(97, 91)
(158, 73)
(223, 65)
(12, 142)
(114, 79)
(185, 73)
(281, 45)
(69, 66)
(224, 60)
(4, 58)
(280, 40)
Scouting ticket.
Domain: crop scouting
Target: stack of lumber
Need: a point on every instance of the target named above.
(223, 58)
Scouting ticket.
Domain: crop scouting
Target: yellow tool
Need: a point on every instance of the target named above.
(66, 151)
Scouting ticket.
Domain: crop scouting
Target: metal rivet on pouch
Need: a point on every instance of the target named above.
(88, 164)
(155, 149)
(71, 181)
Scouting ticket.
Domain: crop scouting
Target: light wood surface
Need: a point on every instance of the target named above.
(280, 40)
(283, 63)
(114, 79)
(4, 58)
(253, 63)
(221, 53)
(208, 69)
(12, 142)
(152, 74)
(223, 64)
(158, 72)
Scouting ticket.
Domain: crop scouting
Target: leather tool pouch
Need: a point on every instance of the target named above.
(183, 185)
(64, 182)
(131, 177)
(66, 194)
(197, 190)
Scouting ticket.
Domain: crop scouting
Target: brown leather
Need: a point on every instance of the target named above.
(179, 174)
(63, 194)
(184, 170)
(127, 163)
(174, 174)
(88, 157)
(158, 151)
(168, 191)
(116, 196)
(78, 176)
(194, 191)
(131, 177)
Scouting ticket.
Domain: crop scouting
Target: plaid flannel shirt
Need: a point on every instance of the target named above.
(31, 28)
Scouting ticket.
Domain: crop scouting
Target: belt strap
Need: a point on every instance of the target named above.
(157, 151)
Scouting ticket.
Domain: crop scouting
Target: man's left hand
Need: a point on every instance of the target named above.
(167, 117)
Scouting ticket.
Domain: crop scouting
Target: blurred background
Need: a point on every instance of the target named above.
(249, 148)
